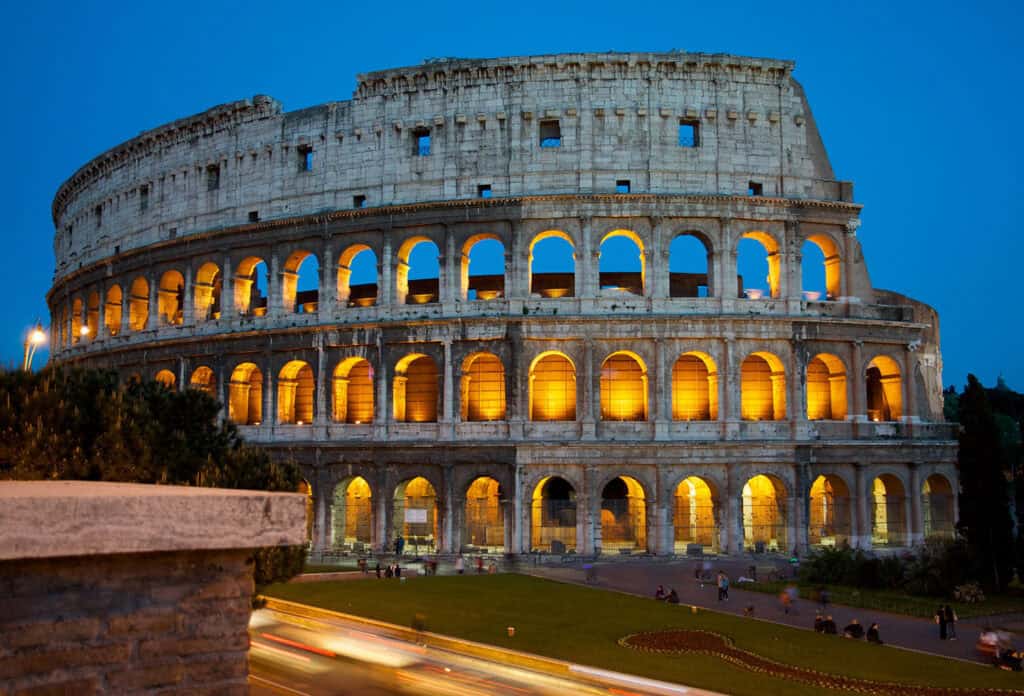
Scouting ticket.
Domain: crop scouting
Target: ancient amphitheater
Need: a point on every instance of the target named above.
(497, 304)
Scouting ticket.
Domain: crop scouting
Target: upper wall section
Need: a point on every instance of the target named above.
(573, 123)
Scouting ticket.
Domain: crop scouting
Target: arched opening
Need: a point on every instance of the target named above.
(552, 265)
(821, 268)
(245, 395)
(416, 389)
(623, 516)
(62, 327)
(76, 320)
(166, 378)
(758, 266)
(694, 388)
(207, 292)
(418, 272)
(762, 388)
(485, 519)
(553, 516)
(92, 315)
(204, 380)
(937, 505)
(251, 287)
(689, 266)
(416, 516)
(295, 393)
(352, 515)
(889, 512)
(552, 388)
(353, 392)
(885, 389)
(112, 311)
(483, 268)
(826, 388)
(171, 299)
(764, 514)
(829, 522)
(357, 277)
(300, 283)
(694, 517)
(138, 305)
(621, 263)
(483, 388)
(623, 388)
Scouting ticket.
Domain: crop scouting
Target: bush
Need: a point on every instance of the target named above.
(968, 593)
(939, 566)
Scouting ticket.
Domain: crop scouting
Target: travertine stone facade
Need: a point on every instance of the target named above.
(674, 409)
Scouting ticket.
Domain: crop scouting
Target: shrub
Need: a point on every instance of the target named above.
(968, 593)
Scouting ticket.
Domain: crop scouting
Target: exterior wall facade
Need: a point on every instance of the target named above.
(718, 148)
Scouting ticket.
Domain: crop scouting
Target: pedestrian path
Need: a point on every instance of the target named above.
(642, 578)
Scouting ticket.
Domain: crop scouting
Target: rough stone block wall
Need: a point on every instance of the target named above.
(154, 623)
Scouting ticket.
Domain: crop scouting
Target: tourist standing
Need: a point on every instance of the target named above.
(951, 619)
(940, 619)
(460, 564)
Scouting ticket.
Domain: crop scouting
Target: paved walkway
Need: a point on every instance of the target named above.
(642, 578)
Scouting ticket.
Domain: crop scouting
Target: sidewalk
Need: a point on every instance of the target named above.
(642, 578)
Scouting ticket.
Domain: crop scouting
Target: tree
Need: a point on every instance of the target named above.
(984, 500)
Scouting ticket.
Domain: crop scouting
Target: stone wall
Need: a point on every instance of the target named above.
(126, 589)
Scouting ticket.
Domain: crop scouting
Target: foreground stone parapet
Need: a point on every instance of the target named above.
(124, 589)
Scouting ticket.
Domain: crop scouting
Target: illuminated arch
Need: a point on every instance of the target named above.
(414, 501)
(832, 268)
(171, 298)
(630, 281)
(203, 379)
(884, 385)
(295, 393)
(207, 292)
(762, 387)
(359, 295)
(623, 515)
(485, 518)
(694, 387)
(353, 391)
(889, 512)
(419, 284)
(764, 514)
(138, 304)
(166, 378)
(301, 268)
(113, 310)
(552, 387)
(352, 514)
(826, 388)
(554, 284)
(691, 267)
(251, 283)
(695, 516)
(830, 512)
(245, 395)
(623, 387)
(938, 507)
(483, 388)
(76, 320)
(415, 389)
(553, 516)
(92, 315)
(773, 260)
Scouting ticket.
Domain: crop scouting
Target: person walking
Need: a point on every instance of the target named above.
(460, 564)
(378, 570)
(940, 619)
(720, 583)
(951, 619)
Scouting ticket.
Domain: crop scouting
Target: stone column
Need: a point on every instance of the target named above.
(275, 298)
(228, 309)
(587, 263)
(320, 519)
(386, 290)
(725, 260)
(732, 529)
(862, 492)
(188, 309)
(153, 316)
(588, 524)
(585, 391)
(321, 411)
(385, 509)
(447, 393)
(729, 397)
(662, 398)
(915, 521)
(447, 525)
(859, 411)
(101, 314)
(797, 410)
(126, 309)
(327, 293)
(910, 408)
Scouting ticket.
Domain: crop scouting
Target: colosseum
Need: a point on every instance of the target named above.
(500, 305)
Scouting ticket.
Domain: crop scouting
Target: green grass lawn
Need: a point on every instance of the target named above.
(583, 625)
(340, 567)
(895, 602)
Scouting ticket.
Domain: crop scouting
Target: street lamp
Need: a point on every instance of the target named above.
(36, 337)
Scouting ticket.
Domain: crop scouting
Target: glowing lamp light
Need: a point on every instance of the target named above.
(37, 337)
(84, 331)
(300, 423)
(754, 293)
(554, 293)
(812, 295)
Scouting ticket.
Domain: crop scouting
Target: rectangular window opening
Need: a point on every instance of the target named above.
(622, 186)
(254, 216)
(172, 233)
(117, 249)
(143, 199)
(305, 158)
(689, 134)
(212, 177)
(358, 201)
(421, 142)
(550, 134)
(99, 216)
(483, 191)
(755, 188)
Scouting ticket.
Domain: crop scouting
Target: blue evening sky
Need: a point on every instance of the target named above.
(918, 104)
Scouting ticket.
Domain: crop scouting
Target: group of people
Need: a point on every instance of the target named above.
(827, 625)
(672, 597)
(392, 570)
